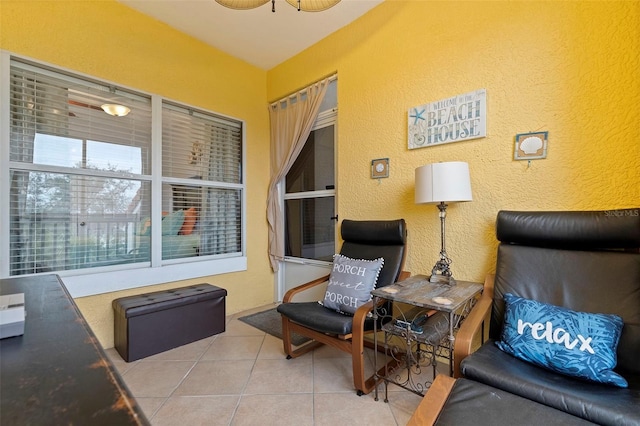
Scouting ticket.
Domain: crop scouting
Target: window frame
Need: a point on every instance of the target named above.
(325, 119)
(98, 280)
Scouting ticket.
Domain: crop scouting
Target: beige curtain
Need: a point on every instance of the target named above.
(291, 122)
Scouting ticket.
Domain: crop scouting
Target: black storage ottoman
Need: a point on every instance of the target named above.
(151, 323)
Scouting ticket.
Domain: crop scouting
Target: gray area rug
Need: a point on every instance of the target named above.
(270, 322)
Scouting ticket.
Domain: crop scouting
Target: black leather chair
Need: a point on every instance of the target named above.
(584, 261)
(361, 240)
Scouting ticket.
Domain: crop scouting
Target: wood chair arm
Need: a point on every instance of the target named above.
(429, 408)
(360, 316)
(302, 287)
(403, 275)
(474, 323)
(357, 327)
(361, 313)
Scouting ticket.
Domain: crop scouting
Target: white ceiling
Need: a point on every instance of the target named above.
(258, 36)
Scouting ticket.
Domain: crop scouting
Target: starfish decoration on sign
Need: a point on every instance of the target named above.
(417, 115)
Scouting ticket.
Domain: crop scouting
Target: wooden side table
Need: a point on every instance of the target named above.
(415, 343)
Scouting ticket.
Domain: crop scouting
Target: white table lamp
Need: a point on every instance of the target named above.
(442, 183)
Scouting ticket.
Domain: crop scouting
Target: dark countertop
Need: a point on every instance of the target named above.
(57, 372)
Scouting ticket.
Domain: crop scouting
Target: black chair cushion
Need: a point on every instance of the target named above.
(471, 403)
(315, 316)
(598, 403)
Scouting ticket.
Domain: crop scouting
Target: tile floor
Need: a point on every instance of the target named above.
(241, 377)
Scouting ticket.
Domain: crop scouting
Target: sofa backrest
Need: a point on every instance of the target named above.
(586, 261)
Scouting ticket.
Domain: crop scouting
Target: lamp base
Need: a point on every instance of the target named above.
(442, 279)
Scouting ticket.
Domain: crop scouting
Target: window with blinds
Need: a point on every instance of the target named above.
(202, 172)
(81, 180)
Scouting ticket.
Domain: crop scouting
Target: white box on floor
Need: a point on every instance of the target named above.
(12, 315)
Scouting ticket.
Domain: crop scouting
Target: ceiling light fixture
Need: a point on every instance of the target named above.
(115, 109)
(301, 5)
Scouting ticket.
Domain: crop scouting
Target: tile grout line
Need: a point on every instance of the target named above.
(183, 378)
(244, 388)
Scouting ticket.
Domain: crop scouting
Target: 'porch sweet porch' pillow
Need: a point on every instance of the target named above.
(350, 283)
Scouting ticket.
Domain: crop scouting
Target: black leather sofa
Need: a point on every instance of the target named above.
(584, 261)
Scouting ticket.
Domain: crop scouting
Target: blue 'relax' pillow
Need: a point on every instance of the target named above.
(577, 344)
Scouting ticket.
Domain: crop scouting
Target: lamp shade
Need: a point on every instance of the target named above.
(313, 5)
(443, 182)
(242, 4)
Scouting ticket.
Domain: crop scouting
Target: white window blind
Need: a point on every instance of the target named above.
(202, 177)
(199, 145)
(57, 226)
(51, 103)
(79, 182)
(80, 187)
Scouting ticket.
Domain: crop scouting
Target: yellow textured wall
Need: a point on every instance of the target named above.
(570, 68)
(567, 67)
(108, 40)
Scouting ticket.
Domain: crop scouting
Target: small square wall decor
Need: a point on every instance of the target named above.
(380, 168)
(531, 146)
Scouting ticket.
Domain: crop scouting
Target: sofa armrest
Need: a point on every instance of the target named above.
(473, 324)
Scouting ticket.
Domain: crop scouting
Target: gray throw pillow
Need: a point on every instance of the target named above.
(350, 283)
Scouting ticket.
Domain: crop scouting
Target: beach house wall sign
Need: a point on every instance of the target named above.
(455, 119)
